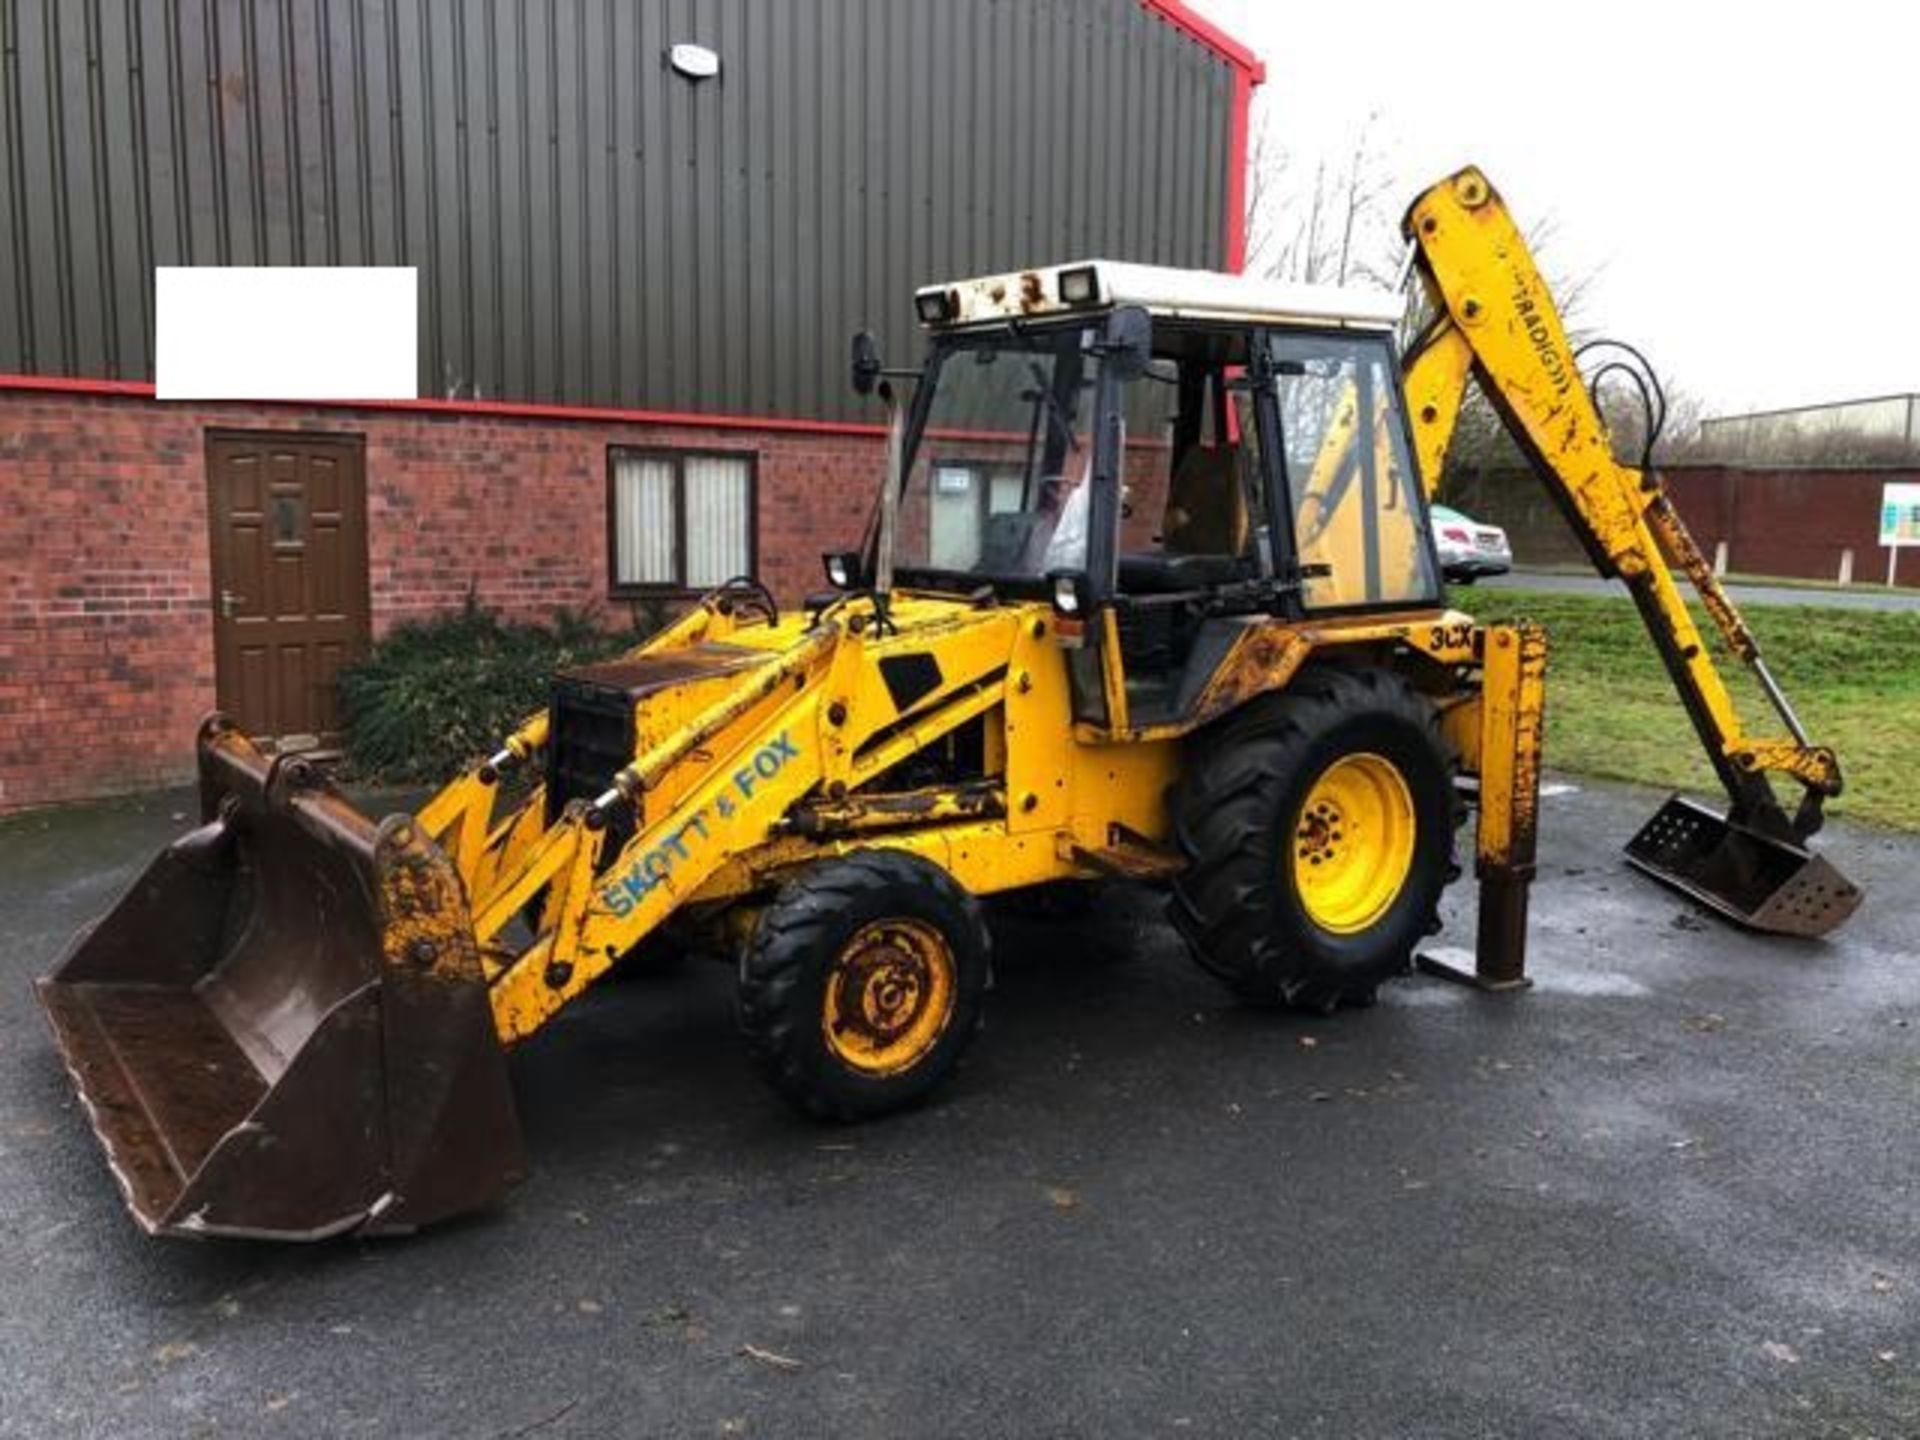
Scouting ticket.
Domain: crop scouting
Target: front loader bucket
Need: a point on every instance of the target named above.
(282, 1029)
(1751, 878)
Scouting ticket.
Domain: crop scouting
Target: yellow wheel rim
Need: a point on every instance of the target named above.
(889, 996)
(1353, 843)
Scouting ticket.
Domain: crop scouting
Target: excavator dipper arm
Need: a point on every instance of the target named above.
(1495, 321)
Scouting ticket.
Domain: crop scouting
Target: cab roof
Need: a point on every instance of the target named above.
(1159, 289)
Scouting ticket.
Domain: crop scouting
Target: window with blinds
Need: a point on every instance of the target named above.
(679, 520)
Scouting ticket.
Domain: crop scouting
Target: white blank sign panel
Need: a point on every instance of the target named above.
(285, 332)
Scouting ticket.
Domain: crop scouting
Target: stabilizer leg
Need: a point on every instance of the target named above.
(1512, 707)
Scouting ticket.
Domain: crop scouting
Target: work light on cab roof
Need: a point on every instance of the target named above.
(1161, 290)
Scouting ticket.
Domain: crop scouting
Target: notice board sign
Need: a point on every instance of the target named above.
(1900, 513)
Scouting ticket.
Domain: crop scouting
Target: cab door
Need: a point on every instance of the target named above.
(1350, 494)
(1195, 553)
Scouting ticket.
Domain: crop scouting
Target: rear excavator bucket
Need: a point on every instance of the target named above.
(1751, 878)
(282, 1028)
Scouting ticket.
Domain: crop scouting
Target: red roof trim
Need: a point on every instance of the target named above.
(80, 385)
(1237, 145)
(1249, 71)
(1175, 13)
(496, 409)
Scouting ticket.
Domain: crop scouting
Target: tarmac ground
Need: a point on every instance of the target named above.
(1668, 1191)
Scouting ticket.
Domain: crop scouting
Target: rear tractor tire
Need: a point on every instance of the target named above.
(863, 983)
(1317, 826)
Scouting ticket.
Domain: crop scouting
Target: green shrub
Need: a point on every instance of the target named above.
(434, 694)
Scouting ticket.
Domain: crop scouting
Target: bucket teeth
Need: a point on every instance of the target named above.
(1753, 879)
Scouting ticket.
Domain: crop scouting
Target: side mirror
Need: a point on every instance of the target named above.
(866, 363)
(1128, 344)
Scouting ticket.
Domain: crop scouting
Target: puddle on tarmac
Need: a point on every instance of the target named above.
(1585, 984)
(1605, 983)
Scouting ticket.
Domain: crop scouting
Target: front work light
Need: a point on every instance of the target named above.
(843, 569)
(935, 307)
(1071, 597)
(1080, 286)
(1069, 592)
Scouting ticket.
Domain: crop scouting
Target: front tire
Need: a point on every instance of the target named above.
(1317, 826)
(863, 983)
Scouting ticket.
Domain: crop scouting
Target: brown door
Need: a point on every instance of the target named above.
(289, 516)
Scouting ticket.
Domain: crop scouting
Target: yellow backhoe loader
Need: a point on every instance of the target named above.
(1149, 594)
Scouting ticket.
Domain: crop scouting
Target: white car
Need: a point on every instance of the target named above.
(1467, 548)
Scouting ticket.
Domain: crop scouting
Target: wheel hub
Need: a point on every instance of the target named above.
(1353, 843)
(889, 995)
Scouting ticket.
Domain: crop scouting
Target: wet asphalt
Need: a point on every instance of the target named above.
(1670, 1191)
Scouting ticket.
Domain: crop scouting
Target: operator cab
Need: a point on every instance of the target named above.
(1171, 452)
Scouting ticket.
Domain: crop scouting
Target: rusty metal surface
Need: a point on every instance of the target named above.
(281, 1028)
(643, 674)
(1131, 858)
(1753, 879)
(1499, 939)
(1264, 658)
(1504, 755)
(1672, 531)
(862, 811)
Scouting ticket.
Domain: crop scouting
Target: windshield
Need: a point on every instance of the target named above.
(997, 480)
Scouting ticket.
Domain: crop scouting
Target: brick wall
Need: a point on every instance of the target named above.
(1793, 522)
(106, 642)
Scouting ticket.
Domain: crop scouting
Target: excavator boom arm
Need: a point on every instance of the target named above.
(1495, 320)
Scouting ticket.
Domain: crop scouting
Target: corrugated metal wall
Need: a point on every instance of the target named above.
(591, 227)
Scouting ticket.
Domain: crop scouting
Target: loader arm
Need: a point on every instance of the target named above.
(1495, 321)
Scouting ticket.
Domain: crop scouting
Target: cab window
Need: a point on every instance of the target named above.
(1358, 516)
(996, 484)
(1193, 502)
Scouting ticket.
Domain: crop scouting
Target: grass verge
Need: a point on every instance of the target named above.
(1853, 677)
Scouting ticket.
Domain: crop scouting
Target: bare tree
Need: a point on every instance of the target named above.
(1810, 439)
(1339, 223)
(1336, 226)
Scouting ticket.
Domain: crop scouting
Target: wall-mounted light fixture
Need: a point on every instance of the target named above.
(696, 62)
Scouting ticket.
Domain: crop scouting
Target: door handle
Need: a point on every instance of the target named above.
(227, 601)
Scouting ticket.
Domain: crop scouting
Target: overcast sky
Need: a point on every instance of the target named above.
(1742, 181)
